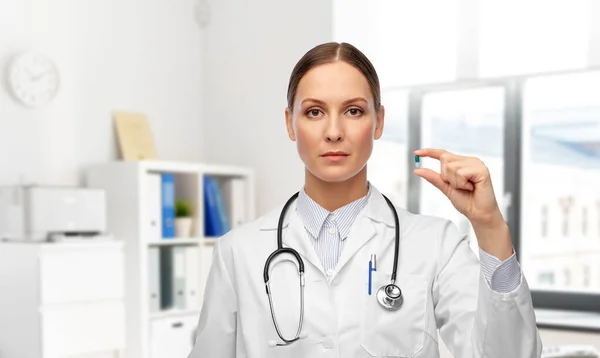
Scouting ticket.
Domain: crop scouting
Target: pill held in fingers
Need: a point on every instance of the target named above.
(417, 162)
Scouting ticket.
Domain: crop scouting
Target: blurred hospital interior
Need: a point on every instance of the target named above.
(129, 128)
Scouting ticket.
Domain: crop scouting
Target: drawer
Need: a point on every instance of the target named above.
(173, 337)
(81, 274)
(79, 329)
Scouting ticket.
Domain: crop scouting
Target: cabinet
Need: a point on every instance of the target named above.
(172, 336)
(61, 299)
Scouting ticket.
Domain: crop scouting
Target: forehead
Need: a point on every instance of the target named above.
(333, 82)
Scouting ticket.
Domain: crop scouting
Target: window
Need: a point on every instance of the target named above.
(389, 160)
(533, 42)
(587, 279)
(584, 221)
(544, 221)
(598, 217)
(546, 278)
(538, 132)
(565, 206)
(466, 122)
(554, 169)
(560, 162)
(567, 277)
(407, 42)
(417, 42)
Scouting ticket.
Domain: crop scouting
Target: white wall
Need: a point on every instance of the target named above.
(142, 55)
(250, 49)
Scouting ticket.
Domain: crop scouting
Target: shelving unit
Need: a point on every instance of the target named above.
(166, 331)
(184, 241)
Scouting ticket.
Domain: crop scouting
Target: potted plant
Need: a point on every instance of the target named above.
(183, 218)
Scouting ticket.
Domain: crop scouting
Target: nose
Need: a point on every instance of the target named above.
(334, 131)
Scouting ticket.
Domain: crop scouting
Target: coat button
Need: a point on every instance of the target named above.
(328, 343)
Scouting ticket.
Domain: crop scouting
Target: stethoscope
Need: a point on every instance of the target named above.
(389, 296)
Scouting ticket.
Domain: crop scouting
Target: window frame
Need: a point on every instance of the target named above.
(468, 75)
(513, 122)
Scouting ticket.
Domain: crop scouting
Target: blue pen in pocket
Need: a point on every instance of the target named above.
(370, 270)
(372, 267)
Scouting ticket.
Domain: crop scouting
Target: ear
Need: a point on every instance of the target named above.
(289, 122)
(379, 122)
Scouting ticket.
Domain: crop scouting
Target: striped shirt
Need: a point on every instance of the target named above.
(328, 232)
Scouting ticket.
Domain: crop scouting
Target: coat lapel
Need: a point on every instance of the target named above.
(362, 231)
(364, 228)
(294, 236)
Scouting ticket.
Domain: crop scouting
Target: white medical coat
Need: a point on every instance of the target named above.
(439, 275)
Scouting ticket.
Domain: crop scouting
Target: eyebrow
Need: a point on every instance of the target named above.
(355, 99)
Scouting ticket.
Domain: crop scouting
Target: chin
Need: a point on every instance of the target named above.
(335, 174)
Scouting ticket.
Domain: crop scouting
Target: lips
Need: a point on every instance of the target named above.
(335, 154)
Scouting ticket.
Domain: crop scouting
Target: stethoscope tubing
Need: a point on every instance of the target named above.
(287, 250)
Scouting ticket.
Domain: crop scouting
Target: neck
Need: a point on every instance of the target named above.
(334, 195)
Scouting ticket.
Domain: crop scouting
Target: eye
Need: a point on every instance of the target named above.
(314, 112)
(354, 112)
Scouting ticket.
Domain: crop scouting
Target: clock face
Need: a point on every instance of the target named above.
(33, 79)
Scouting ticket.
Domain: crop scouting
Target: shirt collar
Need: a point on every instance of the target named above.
(314, 215)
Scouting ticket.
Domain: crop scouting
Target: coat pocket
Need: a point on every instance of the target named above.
(399, 333)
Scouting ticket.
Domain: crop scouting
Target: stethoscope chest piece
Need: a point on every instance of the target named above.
(390, 297)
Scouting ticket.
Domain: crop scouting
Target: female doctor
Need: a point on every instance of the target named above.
(331, 289)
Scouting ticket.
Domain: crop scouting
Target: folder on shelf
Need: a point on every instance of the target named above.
(234, 197)
(212, 219)
(166, 278)
(220, 207)
(179, 277)
(154, 205)
(192, 276)
(168, 205)
(173, 277)
(154, 279)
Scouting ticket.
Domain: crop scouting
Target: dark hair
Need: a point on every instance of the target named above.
(330, 52)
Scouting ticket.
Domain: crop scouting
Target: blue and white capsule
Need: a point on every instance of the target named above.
(417, 162)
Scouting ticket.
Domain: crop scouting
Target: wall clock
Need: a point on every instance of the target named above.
(33, 79)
